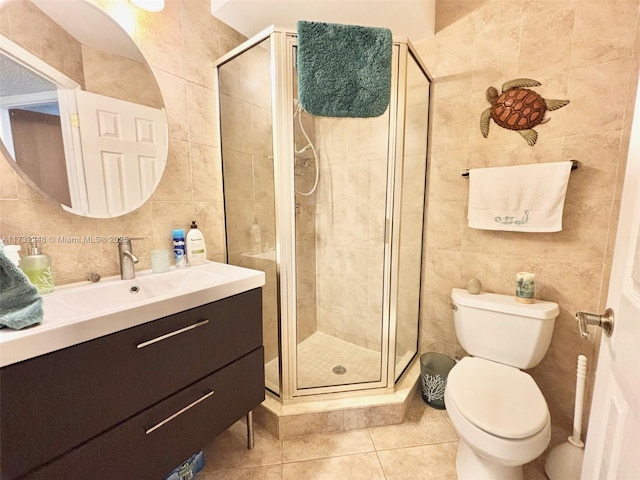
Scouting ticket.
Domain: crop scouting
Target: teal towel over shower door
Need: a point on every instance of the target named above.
(344, 70)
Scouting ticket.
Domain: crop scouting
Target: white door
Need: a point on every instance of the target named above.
(124, 149)
(613, 443)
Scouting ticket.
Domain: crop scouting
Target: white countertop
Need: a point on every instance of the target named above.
(79, 312)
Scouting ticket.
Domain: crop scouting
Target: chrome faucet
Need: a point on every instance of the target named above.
(127, 259)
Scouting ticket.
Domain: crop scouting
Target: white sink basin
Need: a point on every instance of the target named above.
(83, 311)
(117, 293)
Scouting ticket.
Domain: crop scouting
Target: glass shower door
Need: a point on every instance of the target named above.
(248, 175)
(341, 180)
(411, 208)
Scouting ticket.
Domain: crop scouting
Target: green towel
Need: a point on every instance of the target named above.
(343, 70)
(20, 302)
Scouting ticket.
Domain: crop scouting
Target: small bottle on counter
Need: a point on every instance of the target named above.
(179, 254)
(196, 248)
(37, 267)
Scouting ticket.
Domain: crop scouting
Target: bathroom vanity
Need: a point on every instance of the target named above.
(136, 402)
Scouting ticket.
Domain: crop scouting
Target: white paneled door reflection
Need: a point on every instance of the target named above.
(123, 152)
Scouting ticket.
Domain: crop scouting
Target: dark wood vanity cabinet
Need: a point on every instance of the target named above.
(136, 403)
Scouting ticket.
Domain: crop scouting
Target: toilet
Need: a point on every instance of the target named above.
(499, 412)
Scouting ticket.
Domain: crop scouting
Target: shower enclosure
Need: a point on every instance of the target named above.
(332, 210)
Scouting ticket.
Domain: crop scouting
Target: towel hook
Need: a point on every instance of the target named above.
(574, 166)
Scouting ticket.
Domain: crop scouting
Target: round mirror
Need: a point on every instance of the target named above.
(82, 118)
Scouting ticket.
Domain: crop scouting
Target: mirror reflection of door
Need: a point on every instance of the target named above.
(36, 136)
(101, 60)
(123, 151)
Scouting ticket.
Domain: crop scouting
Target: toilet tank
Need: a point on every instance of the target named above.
(498, 328)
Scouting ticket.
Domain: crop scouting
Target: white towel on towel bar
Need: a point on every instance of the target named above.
(523, 198)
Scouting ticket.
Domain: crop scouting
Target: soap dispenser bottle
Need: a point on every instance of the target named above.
(37, 267)
(196, 248)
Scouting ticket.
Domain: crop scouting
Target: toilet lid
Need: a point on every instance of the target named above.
(497, 398)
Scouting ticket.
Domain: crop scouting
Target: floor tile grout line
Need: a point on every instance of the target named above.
(384, 474)
(204, 473)
(403, 447)
(233, 469)
(325, 457)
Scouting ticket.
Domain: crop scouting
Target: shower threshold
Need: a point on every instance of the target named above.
(326, 413)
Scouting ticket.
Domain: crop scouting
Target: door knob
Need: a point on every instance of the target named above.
(605, 321)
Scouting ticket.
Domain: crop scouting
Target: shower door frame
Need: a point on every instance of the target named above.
(282, 43)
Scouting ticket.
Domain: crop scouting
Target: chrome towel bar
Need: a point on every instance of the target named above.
(574, 165)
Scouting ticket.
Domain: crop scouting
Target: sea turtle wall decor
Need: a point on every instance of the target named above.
(518, 108)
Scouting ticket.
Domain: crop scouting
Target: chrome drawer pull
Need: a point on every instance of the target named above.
(168, 335)
(179, 412)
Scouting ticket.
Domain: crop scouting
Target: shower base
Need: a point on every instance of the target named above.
(319, 355)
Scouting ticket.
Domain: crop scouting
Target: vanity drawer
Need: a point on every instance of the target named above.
(146, 448)
(52, 403)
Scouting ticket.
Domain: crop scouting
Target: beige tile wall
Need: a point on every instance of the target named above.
(120, 77)
(350, 224)
(25, 24)
(586, 51)
(180, 43)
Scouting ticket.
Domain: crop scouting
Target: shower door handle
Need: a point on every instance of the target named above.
(605, 321)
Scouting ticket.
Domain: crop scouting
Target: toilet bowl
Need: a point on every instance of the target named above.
(501, 417)
(499, 412)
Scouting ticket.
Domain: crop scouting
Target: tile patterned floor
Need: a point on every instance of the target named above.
(422, 447)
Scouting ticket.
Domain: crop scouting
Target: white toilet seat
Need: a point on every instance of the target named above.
(499, 399)
(476, 428)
